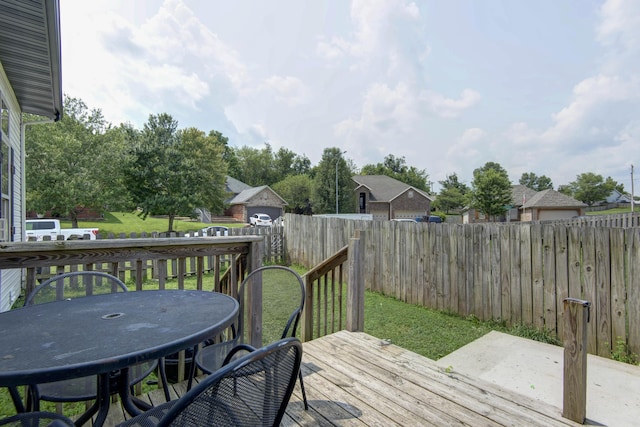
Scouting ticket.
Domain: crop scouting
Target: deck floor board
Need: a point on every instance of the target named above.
(354, 379)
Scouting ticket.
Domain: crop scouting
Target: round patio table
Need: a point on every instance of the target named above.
(100, 334)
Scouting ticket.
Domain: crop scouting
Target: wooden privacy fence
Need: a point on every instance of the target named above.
(517, 273)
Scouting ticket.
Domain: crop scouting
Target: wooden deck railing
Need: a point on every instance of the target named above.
(335, 293)
(134, 260)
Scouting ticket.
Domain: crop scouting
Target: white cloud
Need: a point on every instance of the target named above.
(385, 110)
(620, 20)
(288, 90)
(448, 107)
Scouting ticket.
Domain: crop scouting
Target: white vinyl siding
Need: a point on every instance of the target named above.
(12, 210)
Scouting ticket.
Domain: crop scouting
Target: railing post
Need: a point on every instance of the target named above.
(576, 316)
(254, 310)
(306, 322)
(355, 288)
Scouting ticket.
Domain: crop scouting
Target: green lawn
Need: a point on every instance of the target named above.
(129, 222)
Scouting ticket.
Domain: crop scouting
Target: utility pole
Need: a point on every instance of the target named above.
(632, 195)
(337, 160)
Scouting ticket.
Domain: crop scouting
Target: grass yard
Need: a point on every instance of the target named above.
(130, 222)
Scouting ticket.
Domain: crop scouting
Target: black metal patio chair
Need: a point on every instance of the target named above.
(37, 419)
(253, 390)
(77, 285)
(280, 292)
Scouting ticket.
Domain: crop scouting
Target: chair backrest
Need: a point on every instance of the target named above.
(253, 390)
(271, 302)
(75, 285)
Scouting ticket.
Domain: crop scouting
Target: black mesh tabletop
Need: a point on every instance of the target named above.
(98, 334)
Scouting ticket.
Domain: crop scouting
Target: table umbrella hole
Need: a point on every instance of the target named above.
(112, 316)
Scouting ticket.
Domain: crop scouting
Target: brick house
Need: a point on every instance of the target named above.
(549, 205)
(246, 201)
(530, 205)
(386, 198)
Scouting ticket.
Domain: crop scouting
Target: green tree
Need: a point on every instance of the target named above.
(174, 172)
(296, 190)
(591, 188)
(491, 190)
(396, 168)
(566, 190)
(536, 182)
(453, 194)
(228, 153)
(449, 199)
(301, 165)
(452, 181)
(75, 163)
(256, 166)
(324, 194)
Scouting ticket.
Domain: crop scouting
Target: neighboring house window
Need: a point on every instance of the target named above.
(5, 172)
(411, 194)
(363, 202)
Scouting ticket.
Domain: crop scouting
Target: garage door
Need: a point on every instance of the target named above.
(408, 214)
(556, 215)
(271, 211)
(379, 217)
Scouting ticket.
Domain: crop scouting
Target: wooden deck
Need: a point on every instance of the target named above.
(354, 379)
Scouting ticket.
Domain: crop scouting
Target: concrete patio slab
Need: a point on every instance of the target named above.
(535, 369)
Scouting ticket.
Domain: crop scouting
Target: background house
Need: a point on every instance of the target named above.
(549, 205)
(386, 198)
(618, 197)
(519, 196)
(246, 201)
(530, 205)
(30, 82)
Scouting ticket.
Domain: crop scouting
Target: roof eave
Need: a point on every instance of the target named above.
(53, 29)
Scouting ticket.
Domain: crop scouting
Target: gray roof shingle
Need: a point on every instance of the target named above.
(552, 199)
(384, 188)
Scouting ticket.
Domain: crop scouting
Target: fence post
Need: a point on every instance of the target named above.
(576, 316)
(355, 288)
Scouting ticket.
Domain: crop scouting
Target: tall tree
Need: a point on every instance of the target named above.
(453, 194)
(452, 181)
(256, 166)
(591, 188)
(491, 193)
(396, 168)
(333, 169)
(296, 190)
(536, 182)
(75, 163)
(174, 172)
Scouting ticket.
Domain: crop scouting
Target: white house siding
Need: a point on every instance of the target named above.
(11, 280)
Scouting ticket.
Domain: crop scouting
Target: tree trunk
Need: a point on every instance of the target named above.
(73, 216)
(171, 217)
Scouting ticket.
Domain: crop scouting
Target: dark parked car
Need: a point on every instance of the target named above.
(430, 218)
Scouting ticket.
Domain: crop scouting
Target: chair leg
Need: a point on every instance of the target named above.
(163, 379)
(192, 369)
(17, 400)
(304, 393)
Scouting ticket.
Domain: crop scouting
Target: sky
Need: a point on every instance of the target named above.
(547, 86)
